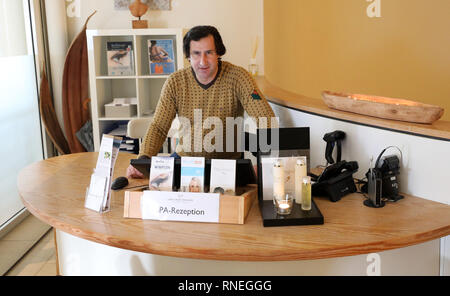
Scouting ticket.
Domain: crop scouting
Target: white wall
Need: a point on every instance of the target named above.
(239, 22)
(58, 46)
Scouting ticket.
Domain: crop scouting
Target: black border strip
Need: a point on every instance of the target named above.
(363, 124)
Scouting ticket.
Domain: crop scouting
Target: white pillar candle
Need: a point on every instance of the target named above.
(278, 180)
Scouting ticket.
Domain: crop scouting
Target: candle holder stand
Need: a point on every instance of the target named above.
(293, 142)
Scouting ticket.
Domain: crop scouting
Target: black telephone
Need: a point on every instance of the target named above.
(336, 180)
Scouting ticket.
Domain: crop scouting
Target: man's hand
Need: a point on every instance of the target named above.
(132, 172)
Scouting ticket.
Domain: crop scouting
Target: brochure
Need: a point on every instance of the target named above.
(98, 195)
(192, 174)
(161, 56)
(223, 176)
(161, 173)
(120, 58)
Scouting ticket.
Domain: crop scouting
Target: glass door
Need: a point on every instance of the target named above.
(20, 127)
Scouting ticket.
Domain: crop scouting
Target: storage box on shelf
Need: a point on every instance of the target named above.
(141, 85)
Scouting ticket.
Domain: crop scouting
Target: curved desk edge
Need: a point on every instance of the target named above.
(89, 225)
(223, 255)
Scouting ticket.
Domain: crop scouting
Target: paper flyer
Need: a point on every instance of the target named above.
(192, 174)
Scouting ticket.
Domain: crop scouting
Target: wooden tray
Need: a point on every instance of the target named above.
(233, 208)
(383, 107)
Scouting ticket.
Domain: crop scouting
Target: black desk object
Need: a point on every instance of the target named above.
(292, 142)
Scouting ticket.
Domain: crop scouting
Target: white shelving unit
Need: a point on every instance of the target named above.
(143, 86)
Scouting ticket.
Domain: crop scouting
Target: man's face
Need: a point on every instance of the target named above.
(204, 59)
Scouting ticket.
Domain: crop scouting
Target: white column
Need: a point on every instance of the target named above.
(58, 45)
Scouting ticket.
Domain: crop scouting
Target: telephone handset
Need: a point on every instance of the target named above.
(336, 180)
(336, 169)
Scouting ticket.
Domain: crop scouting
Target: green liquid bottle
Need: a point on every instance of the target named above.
(306, 193)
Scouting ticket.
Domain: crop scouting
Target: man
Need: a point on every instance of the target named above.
(210, 88)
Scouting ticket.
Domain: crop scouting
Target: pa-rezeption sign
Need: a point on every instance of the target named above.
(180, 206)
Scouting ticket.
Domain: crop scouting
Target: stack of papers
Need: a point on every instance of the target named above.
(122, 102)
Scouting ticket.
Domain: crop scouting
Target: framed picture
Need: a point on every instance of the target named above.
(152, 4)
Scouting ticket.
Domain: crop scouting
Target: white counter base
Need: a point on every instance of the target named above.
(79, 256)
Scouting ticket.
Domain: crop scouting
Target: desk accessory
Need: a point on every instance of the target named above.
(285, 203)
(333, 139)
(301, 171)
(293, 143)
(278, 180)
(233, 209)
(336, 180)
(306, 193)
(374, 189)
(382, 180)
(98, 194)
(119, 183)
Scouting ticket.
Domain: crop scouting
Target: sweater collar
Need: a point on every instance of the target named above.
(206, 86)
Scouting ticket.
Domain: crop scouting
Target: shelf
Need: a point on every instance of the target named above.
(133, 77)
(143, 86)
(116, 118)
(153, 76)
(115, 77)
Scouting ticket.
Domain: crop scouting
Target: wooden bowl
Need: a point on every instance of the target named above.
(383, 107)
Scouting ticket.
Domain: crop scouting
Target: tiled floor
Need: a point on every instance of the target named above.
(40, 260)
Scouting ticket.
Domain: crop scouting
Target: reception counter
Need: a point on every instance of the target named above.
(404, 235)
(53, 190)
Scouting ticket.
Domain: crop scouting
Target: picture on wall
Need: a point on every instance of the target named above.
(152, 4)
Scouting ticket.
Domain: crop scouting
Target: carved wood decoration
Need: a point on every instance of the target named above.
(75, 89)
(138, 9)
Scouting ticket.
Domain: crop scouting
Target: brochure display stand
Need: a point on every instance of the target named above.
(98, 194)
(293, 143)
(229, 205)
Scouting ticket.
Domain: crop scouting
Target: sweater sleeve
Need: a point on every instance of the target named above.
(162, 120)
(253, 101)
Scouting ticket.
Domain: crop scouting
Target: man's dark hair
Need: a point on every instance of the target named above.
(199, 32)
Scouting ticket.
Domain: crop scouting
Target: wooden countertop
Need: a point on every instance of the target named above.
(439, 129)
(53, 190)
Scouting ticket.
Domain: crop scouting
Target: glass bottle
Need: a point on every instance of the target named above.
(306, 193)
(253, 67)
(300, 172)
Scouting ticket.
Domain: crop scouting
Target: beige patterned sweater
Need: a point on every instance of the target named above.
(232, 92)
